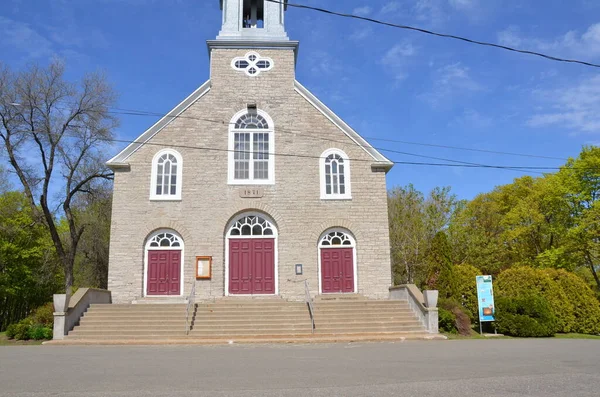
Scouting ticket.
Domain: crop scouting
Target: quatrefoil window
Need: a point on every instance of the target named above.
(252, 64)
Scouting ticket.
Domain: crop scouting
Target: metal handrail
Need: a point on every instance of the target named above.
(191, 302)
(309, 304)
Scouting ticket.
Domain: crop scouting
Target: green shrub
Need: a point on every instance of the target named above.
(44, 315)
(529, 281)
(11, 331)
(525, 316)
(39, 332)
(462, 322)
(22, 330)
(586, 307)
(447, 321)
(466, 289)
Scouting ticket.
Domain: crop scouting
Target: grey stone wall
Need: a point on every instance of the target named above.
(209, 203)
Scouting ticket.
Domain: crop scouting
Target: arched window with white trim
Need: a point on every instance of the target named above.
(251, 144)
(335, 175)
(167, 167)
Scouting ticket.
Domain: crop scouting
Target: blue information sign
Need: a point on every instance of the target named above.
(485, 298)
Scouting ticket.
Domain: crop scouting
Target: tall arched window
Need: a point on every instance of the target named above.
(335, 175)
(251, 145)
(166, 175)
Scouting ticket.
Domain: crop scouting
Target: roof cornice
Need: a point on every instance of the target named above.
(253, 45)
(120, 160)
(381, 162)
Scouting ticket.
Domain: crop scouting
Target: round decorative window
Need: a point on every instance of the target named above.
(252, 64)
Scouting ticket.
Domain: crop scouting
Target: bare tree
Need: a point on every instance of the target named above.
(53, 132)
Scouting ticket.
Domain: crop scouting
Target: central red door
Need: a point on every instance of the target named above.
(337, 270)
(252, 266)
(164, 273)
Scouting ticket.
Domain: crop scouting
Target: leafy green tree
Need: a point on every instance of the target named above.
(94, 212)
(53, 133)
(440, 268)
(29, 270)
(580, 182)
(414, 221)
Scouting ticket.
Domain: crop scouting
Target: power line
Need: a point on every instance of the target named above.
(457, 163)
(296, 155)
(448, 36)
(133, 112)
(284, 130)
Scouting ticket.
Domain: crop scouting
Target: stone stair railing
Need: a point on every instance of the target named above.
(425, 309)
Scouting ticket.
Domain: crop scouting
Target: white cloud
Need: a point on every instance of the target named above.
(21, 36)
(463, 4)
(430, 11)
(362, 11)
(390, 7)
(585, 44)
(362, 33)
(450, 81)
(471, 118)
(395, 59)
(575, 107)
(323, 63)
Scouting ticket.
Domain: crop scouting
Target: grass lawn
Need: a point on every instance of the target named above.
(557, 336)
(576, 336)
(4, 341)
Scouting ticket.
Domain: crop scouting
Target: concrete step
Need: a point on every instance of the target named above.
(164, 307)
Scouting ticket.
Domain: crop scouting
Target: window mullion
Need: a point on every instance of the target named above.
(251, 157)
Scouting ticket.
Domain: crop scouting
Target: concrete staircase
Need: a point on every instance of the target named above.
(131, 322)
(341, 318)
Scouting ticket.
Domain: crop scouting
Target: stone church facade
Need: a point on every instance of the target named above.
(249, 186)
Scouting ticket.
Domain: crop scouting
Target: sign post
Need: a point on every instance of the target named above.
(485, 299)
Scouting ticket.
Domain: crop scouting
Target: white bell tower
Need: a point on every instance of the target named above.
(253, 20)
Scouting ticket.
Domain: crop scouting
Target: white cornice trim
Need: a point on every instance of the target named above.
(121, 159)
(380, 159)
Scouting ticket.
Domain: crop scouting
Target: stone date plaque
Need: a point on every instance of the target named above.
(252, 192)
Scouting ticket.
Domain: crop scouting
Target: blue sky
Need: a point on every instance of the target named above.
(387, 83)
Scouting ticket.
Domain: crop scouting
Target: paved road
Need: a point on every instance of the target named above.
(435, 368)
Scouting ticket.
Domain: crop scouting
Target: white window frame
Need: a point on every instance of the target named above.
(148, 248)
(231, 147)
(252, 64)
(347, 181)
(154, 174)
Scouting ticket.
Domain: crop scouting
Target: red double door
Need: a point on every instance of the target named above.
(337, 270)
(252, 266)
(164, 273)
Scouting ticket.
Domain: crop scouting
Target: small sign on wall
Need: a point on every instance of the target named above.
(203, 267)
(252, 192)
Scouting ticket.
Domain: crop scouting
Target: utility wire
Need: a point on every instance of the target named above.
(296, 155)
(448, 36)
(284, 130)
(133, 112)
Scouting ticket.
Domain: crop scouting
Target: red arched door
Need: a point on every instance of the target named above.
(252, 245)
(164, 264)
(337, 263)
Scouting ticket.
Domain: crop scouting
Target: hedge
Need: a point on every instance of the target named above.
(586, 307)
(528, 315)
(528, 281)
(466, 289)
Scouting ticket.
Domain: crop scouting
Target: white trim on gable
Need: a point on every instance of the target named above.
(120, 160)
(380, 159)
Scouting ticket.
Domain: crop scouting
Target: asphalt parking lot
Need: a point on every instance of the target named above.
(519, 367)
